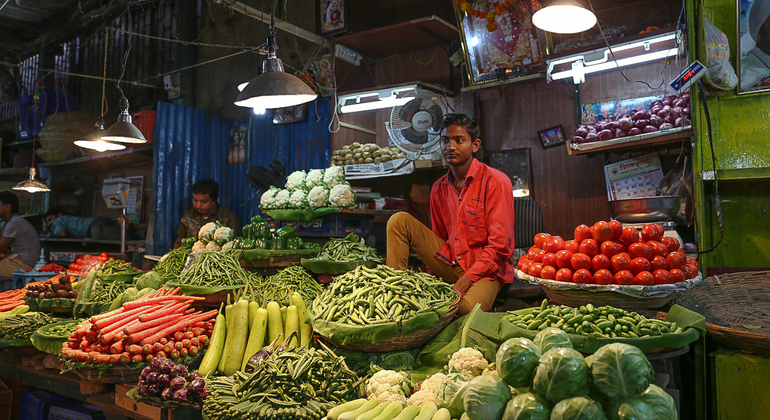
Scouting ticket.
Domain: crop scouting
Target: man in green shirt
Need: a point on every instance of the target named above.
(205, 210)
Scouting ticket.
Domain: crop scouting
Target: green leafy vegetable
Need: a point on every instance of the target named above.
(449, 393)
(527, 406)
(578, 408)
(621, 371)
(485, 397)
(661, 404)
(550, 338)
(562, 373)
(631, 409)
(516, 361)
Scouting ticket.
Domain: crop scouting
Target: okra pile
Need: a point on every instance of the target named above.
(281, 285)
(300, 384)
(600, 322)
(24, 325)
(373, 296)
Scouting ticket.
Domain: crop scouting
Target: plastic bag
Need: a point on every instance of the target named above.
(720, 74)
(678, 182)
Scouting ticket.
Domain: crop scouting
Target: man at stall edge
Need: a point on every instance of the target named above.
(19, 244)
(755, 66)
(471, 242)
(205, 210)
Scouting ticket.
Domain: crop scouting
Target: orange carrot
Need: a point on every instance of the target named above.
(164, 310)
(155, 300)
(140, 335)
(177, 326)
(101, 323)
(141, 326)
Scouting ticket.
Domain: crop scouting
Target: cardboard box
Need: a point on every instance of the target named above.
(121, 400)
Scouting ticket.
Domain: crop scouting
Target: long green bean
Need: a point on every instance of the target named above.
(216, 269)
(116, 267)
(280, 286)
(23, 325)
(350, 248)
(171, 264)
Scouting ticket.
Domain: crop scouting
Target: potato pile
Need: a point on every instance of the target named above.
(365, 153)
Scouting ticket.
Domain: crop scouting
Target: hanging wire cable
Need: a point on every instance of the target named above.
(125, 57)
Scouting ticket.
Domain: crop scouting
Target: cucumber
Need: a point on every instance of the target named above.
(274, 321)
(348, 406)
(216, 344)
(427, 411)
(371, 414)
(442, 414)
(409, 413)
(257, 334)
(236, 346)
(390, 411)
(352, 415)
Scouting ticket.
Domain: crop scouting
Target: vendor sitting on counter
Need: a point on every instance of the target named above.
(63, 226)
(471, 210)
(19, 244)
(205, 210)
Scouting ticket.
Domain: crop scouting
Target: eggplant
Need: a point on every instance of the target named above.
(146, 371)
(154, 391)
(177, 383)
(197, 385)
(166, 366)
(152, 378)
(178, 371)
(180, 395)
(144, 391)
(203, 394)
(634, 131)
(193, 376)
(257, 358)
(163, 380)
(167, 394)
(156, 364)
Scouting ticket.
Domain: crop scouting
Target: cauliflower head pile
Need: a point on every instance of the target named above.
(282, 199)
(296, 180)
(334, 175)
(388, 386)
(468, 361)
(222, 235)
(213, 246)
(206, 232)
(314, 177)
(298, 199)
(198, 248)
(267, 201)
(229, 245)
(342, 195)
(318, 196)
(426, 394)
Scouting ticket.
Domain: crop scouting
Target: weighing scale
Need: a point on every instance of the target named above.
(115, 194)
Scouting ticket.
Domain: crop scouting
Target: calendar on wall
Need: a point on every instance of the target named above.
(633, 178)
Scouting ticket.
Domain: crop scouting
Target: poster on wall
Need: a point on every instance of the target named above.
(332, 16)
(633, 178)
(135, 189)
(237, 151)
(754, 39)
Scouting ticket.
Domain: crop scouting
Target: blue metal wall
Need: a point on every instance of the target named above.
(188, 147)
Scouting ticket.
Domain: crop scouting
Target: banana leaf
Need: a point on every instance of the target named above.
(191, 290)
(693, 324)
(127, 277)
(89, 308)
(264, 254)
(300, 215)
(15, 343)
(50, 343)
(334, 267)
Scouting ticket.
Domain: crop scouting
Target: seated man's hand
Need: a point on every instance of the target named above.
(462, 285)
(3, 256)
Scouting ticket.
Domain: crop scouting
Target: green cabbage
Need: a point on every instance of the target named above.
(149, 279)
(449, 393)
(562, 373)
(578, 408)
(551, 338)
(485, 397)
(516, 361)
(621, 371)
(631, 409)
(527, 407)
(661, 404)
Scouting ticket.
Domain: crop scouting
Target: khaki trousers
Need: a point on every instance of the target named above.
(405, 233)
(10, 263)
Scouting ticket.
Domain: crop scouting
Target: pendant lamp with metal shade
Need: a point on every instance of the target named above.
(564, 17)
(93, 140)
(31, 185)
(274, 88)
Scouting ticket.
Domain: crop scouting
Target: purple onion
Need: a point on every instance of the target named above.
(634, 131)
(163, 380)
(686, 111)
(581, 131)
(611, 125)
(605, 135)
(667, 107)
(632, 113)
(641, 123)
(656, 121)
(625, 123)
(592, 137)
(590, 129)
(624, 116)
(663, 112)
(670, 118)
(180, 395)
(685, 97)
(167, 394)
(578, 140)
(678, 103)
(600, 125)
(655, 110)
(177, 383)
(641, 115)
(620, 133)
(649, 129)
(665, 126)
(657, 103)
(197, 385)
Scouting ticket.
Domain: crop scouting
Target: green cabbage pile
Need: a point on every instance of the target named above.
(516, 361)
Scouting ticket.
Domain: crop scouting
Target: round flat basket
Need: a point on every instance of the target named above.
(626, 297)
(397, 343)
(736, 307)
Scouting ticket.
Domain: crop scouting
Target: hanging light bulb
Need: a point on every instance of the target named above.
(31, 185)
(124, 131)
(564, 17)
(274, 88)
(93, 140)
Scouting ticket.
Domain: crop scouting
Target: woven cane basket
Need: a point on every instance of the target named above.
(733, 304)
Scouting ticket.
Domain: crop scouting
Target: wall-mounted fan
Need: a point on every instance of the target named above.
(414, 126)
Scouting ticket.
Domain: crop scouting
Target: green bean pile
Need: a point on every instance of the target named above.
(372, 296)
(171, 264)
(108, 291)
(280, 286)
(300, 384)
(215, 269)
(350, 248)
(601, 322)
(24, 325)
(116, 267)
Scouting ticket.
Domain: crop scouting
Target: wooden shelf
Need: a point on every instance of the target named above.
(418, 34)
(736, 174)
(103, 161)
(646, 140)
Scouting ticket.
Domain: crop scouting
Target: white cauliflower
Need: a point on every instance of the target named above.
(468, 361)
(314, 177)
(387, 386)
(342, 196)
(432, 383)
(334, 175)
(282, 199)
(198, 247)
(421, 397)
(204, 234)
(213, 246)
(222, 235)
(317, 197)
(490, 371)
(295, 180)
(229, 245)
(267, 201)
(298, 199)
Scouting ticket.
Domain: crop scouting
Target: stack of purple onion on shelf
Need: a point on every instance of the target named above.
(171, 382)
(664, 114)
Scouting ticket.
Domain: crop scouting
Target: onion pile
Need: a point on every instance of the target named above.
(664, 114)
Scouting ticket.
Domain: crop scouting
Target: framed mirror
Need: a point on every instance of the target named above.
(516, 164)
(753, 37)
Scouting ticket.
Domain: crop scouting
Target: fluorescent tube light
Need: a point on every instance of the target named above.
(378, 104)
(609, 65)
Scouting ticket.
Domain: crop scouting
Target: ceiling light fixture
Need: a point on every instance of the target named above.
(564, 17)
(274, 88)
(374, 99)
(94, 141)
(31, 185)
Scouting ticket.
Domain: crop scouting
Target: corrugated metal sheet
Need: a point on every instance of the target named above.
(188, 147)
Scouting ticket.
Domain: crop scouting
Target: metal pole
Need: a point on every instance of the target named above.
(123, 232)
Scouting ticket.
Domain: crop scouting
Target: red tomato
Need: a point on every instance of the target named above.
(540, 239)
(629, 236)
(652, 232)
(535, 269)
(621, 246)
(554, 244)
(589, 247)
(675, 260)
(603, 277)
(609, 248)
(582, 233)
(105, 255)
(676, 275)
(563, 259)
(75, 267)
(80, 261)
(658, 263)
(688, 271)
(671, 243)
(662, 277)
(644, 278)
(617, 229)
(549, 259)
(564, 274)
(521, 262)
(572, 246)
(619, 262)
(523, 257)
(579, 261)
(623, 277)
(582, 276)
(693, 263)
(658, 248)
(600, 262)
(525, 266)
(640, 250)
(548, 272)
(110, 259)
(637, 265)
(602, 232)
(534, 252)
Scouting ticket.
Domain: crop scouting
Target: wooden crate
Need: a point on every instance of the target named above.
(121, 400)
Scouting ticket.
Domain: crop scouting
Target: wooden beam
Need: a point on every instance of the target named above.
(357, 127)
(280, 24)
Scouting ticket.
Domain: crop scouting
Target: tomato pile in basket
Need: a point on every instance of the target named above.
(606, 253)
